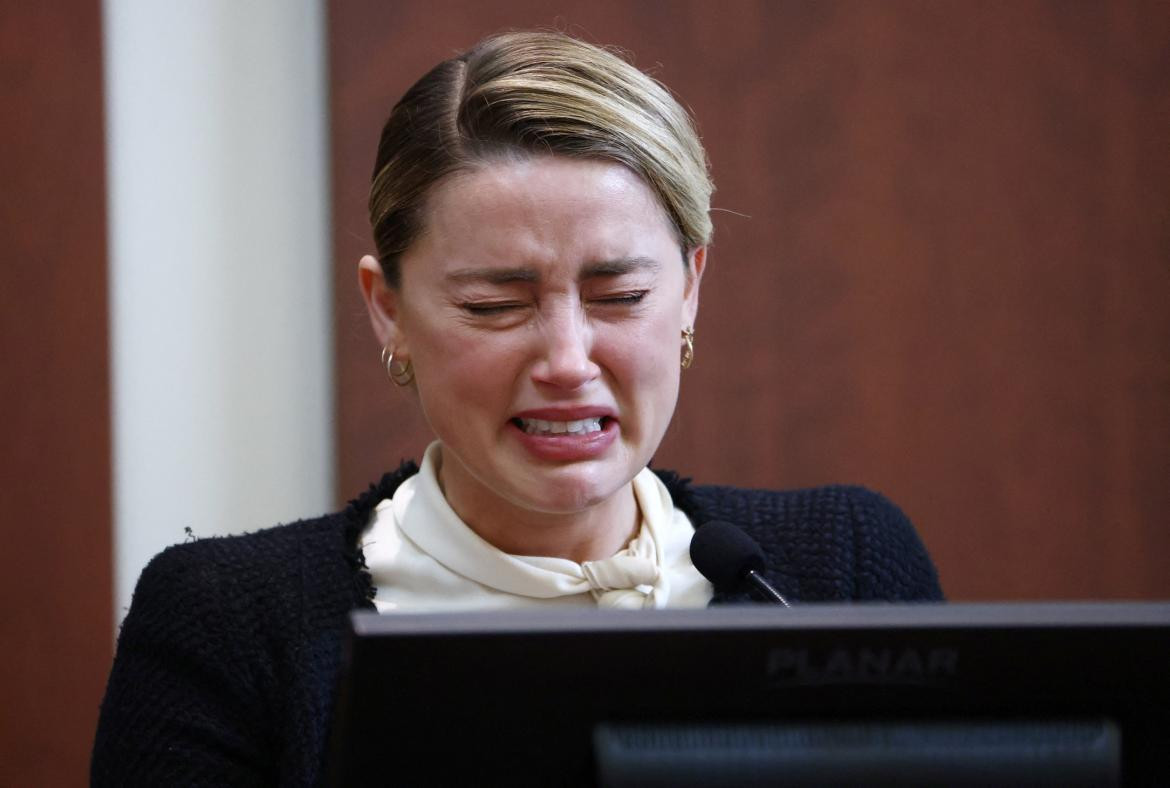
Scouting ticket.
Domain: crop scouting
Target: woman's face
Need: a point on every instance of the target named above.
(542, 310)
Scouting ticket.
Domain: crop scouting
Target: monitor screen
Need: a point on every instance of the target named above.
(1061, 694)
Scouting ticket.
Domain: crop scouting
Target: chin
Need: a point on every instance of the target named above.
(571, 489)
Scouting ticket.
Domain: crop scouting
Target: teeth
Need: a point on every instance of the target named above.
(540, 426)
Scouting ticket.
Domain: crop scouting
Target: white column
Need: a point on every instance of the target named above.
(217, 122)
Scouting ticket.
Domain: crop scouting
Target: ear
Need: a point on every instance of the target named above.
(697, 262)
(382, 305)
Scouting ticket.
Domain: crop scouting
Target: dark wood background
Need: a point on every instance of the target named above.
(56, 583)
(941, 267)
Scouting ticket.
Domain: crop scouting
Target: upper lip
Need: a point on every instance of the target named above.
(567, 414)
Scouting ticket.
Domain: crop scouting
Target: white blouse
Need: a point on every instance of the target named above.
(423, 558)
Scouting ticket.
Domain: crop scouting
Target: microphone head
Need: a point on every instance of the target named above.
(723, 553)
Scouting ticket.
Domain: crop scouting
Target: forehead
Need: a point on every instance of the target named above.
(546, 213)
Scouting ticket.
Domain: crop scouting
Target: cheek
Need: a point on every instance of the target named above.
(457, 373)
(646, 364)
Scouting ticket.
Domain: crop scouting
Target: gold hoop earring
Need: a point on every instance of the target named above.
(688, 351)
(403, 375)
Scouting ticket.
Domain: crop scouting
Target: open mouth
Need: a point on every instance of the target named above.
(576, 427)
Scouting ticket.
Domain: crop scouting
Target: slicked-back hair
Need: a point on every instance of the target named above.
(524, 94)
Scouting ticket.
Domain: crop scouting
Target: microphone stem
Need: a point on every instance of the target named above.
(765, 588)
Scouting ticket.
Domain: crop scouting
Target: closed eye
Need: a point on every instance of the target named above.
(490, 308)
(623, 298)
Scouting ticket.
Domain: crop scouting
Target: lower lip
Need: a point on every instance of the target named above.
(568, 446)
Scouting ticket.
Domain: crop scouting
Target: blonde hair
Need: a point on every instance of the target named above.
(534, 93)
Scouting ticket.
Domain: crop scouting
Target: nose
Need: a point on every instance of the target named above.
(565, 359)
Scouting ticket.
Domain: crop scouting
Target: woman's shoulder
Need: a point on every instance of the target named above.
(263, 557)
(214, 595)
(751, 506)
(835, 542)
(256, 617)
(252, 559)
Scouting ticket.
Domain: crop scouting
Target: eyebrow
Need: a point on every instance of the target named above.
(500, 276)
(494, 276)
(619, 266)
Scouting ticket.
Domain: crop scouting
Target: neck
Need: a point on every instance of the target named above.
(595, 532)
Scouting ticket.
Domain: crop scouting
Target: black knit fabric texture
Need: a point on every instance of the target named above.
(228, 659)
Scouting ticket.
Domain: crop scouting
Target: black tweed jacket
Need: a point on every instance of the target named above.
(227, 661)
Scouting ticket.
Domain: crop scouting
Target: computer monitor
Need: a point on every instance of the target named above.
(875, 694)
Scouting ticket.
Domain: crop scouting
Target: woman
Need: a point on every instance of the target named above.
(540, 213)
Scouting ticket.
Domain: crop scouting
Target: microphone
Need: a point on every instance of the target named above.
(727, 556)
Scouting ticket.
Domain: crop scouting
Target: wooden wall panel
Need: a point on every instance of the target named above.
(941, 269)
(56, 584)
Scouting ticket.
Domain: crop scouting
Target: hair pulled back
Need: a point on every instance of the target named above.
(534, 93)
